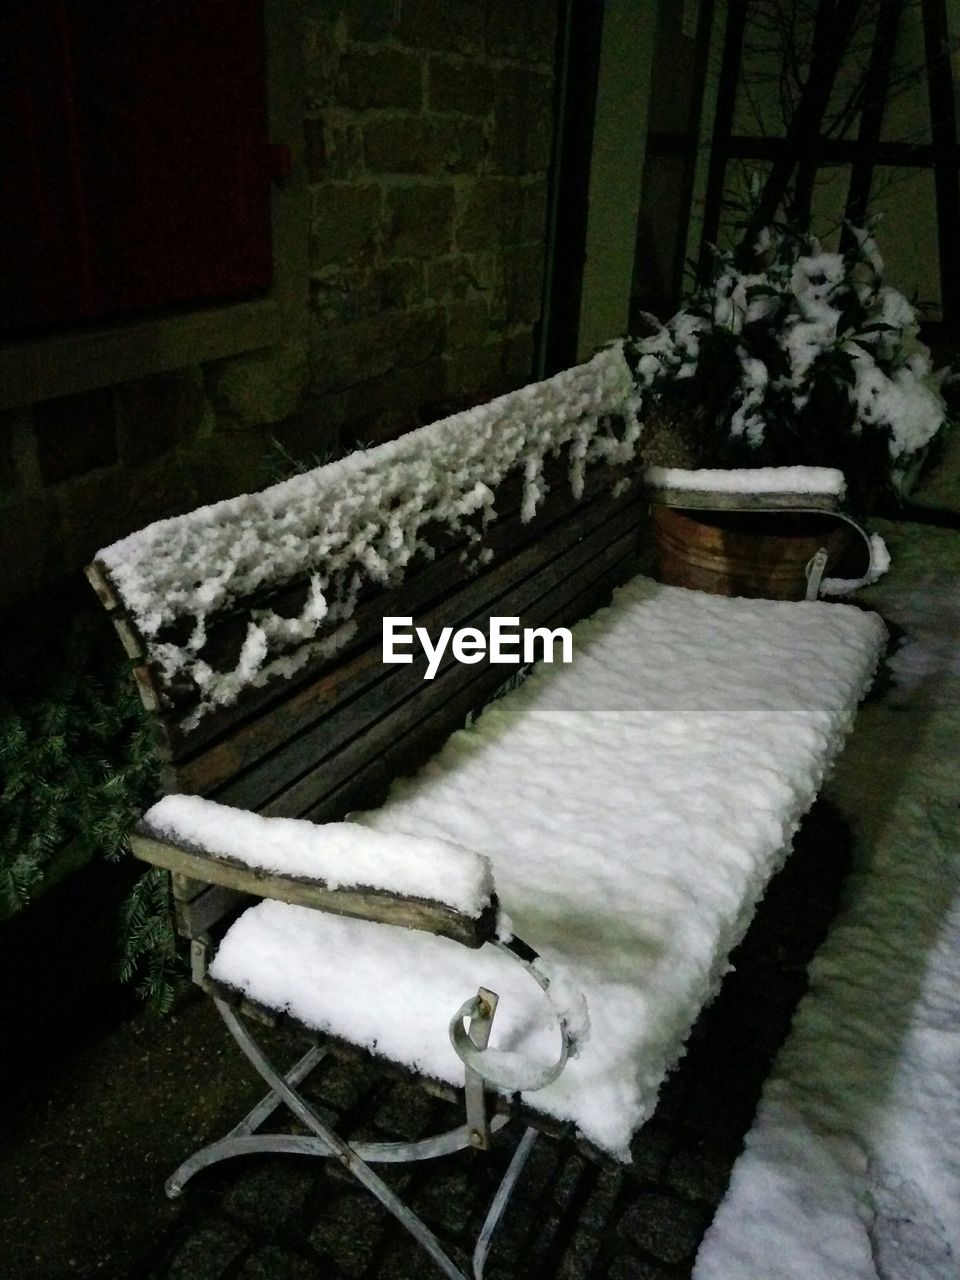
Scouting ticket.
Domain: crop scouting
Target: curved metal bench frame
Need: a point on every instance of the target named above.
(470, 1030)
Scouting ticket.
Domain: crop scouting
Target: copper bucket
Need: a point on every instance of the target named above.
(737, 553)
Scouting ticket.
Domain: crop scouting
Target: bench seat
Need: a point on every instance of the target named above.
(633, 805)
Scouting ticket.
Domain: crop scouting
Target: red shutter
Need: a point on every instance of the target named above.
(134, 156)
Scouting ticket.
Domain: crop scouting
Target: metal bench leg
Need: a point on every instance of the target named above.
(243, 1140)
(501, 1200)
(230, 1144)
(324, 1142)
(267, 1105)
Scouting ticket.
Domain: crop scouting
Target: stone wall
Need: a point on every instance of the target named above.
(422, 151)
(428, 137)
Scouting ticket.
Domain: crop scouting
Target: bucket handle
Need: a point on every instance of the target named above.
(815, 569)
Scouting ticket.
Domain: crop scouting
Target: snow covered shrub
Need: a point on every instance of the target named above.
(809, 359)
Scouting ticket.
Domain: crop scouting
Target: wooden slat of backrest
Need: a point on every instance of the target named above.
(197, 917)
(314, 709)
(389, 754)
(423, 720)
(254, 739)
(275, 725)
(331, 745)
(423, 584)
(145, 680)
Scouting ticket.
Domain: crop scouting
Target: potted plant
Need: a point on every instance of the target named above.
(803, 358)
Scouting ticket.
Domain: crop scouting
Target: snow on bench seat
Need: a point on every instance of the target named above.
(634, 805)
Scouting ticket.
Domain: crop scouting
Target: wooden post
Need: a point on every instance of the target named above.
(946, 169)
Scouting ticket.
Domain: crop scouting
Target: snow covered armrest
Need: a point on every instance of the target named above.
(340, 867)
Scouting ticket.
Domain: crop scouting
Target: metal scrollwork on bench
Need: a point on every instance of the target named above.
(480, 1072)
(481, 1068)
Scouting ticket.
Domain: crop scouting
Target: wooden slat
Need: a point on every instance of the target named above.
(150, 695)
(348, 673)
(276, 724)
(406, 751)
(256, 738)
(325, 773)
(428, 583)
(129, 637)
(423, 583)
(331, 739)
(417, 717)
(704, 499)
(362, 902)
(198, 917)
(185, 888)
(307, 716)
(99, 579)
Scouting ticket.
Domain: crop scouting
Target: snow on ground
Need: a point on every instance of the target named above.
(852, 1168)
(633, 805)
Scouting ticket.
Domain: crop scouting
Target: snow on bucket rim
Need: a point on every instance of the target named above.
(799, 480)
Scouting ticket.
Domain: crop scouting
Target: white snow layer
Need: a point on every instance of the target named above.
(361, 518)
(803, 480)
(634, 805)
(879, 563)
(343, 855)
(852, 1168)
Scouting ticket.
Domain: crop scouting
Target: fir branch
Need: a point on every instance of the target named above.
(76, 767)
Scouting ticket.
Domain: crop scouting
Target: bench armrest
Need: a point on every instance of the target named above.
(341, 867)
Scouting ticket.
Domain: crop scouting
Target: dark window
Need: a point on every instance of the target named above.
(134, 158)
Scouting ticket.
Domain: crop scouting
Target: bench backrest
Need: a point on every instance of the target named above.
(305, 719)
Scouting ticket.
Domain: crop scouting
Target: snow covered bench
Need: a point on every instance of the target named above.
(621, 815)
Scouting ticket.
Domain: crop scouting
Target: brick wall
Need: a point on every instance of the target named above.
(428, 131)
(426, 140)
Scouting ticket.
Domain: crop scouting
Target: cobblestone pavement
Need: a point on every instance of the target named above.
(294, 1218)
